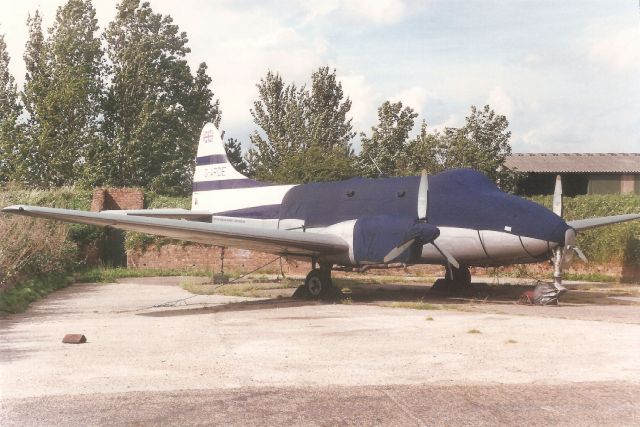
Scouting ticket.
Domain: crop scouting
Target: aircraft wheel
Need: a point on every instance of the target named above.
(460, 283)
(461, 276)
(318, 282)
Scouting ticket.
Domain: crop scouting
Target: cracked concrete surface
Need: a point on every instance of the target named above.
(229, 359)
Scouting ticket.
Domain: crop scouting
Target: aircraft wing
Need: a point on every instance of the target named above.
(585, 224)
(280, 242)
(168, 213)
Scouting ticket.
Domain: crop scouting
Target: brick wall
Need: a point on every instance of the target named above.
(207, 257)
(238, 260)
(117, 198)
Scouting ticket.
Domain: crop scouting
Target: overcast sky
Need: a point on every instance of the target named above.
(566, 74)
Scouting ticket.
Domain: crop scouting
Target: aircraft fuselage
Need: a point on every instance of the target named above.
(479, 224)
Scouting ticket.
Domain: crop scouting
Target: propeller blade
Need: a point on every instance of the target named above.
(570, 237)
(423, 192)
(580, 254)
(397, 251)
(557, 197)
(450, 259)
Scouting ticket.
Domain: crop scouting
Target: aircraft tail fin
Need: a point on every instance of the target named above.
(213, 170)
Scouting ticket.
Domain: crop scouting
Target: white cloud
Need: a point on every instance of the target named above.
(317, 9)
(500, 101)
(377, 11)
(450, 121)
(240, 46)
(618, 50)
(414, 97)
(364, 100)
(532, 59)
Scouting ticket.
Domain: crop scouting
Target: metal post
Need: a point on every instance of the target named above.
(222, 261)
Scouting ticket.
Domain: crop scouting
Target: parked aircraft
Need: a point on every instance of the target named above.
(458, 218)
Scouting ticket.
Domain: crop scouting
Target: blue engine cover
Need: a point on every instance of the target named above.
(375, 236)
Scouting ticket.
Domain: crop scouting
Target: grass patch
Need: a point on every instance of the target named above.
(252, 289)
(512, 342)
(18, 298)
(429, 318)
(590, 277)
(416, 305)
(110, 275)
(473, 331)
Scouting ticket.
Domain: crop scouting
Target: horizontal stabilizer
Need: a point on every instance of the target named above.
(585, 224)
(279, 242)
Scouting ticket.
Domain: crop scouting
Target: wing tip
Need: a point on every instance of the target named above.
(14, 208)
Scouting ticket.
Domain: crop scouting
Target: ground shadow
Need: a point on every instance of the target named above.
(630, 265)
(263, 304)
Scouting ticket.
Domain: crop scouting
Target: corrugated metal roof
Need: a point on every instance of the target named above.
(575, 162)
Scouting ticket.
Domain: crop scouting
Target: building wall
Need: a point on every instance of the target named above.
(574, 184)
(113, 253)
(604, 184)
(117, 198)
(628, 184)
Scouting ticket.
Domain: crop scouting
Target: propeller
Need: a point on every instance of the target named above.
(421, 232)
(564, 255)
(557, 197)
(570, 248)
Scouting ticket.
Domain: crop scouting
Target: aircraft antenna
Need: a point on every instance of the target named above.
(374, 164)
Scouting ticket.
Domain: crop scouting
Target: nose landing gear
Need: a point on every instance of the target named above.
(457, 280)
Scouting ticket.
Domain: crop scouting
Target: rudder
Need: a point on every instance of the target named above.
(213, 170)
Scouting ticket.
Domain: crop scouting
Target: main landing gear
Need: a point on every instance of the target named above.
(456, 280)
(318, 284)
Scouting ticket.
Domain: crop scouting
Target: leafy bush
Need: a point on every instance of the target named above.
(618, 243)
(31, 247)
(18, 298)
(142, 241)
(156, 201)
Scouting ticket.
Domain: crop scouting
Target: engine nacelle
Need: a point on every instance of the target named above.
(375, 236)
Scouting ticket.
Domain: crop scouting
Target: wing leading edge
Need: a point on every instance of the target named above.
(279, 242)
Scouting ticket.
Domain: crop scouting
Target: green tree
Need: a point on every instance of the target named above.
(77, 72)
(481, 144)
(305, 134)
(10, 111)
(155, 108)
(34, 153)
(329, 127)
(422, 153)
(234, 154)
(384, 151)
(62, 94)
(278, 112)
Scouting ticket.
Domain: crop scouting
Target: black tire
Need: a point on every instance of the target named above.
(318, 283)
(461, 276)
